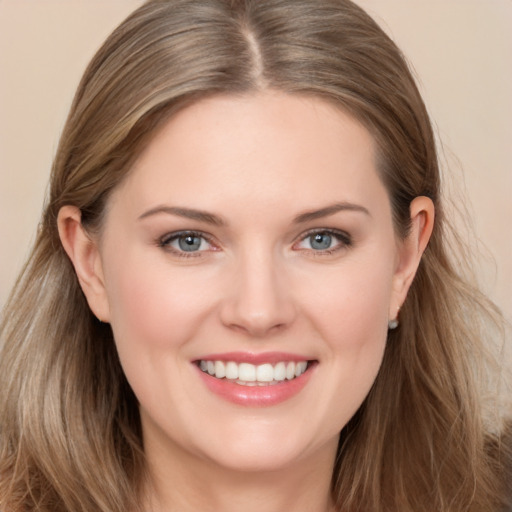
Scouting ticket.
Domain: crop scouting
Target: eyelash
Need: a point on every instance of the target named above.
(165, 243)
(343, 238)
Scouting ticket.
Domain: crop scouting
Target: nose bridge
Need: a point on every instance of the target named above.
(259, 300)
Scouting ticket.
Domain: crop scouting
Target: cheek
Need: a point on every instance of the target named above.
(352, 317)
(351, 305)
(352, 320)
(155, 315)
(152, 307)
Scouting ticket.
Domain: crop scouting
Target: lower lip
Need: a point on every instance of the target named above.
(256, 396)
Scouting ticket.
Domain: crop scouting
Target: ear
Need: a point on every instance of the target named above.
(84, 254)
(411, 250)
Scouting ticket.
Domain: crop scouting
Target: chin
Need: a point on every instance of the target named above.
(269, 450)
(255, 459)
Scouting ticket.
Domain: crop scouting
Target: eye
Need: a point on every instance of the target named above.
(185, 242)
(320, 241)
(324, 241)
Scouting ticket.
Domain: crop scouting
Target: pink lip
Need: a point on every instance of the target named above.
(255, 396)
(249, 357)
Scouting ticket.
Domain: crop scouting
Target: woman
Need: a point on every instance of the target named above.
(240, 294)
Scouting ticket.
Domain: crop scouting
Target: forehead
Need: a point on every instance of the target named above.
(270, 147)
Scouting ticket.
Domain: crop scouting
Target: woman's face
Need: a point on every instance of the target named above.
(252, 238)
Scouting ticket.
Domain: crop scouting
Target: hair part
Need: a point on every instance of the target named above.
(70, 436)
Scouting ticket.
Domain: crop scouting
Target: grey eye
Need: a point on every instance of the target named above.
(185, 242)
(189, 243)
(320, 241)
(324, 241)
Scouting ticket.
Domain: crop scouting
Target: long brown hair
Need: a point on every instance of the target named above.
(70, 437)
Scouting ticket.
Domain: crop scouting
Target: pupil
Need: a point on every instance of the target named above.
(321, 241)
(189, 243)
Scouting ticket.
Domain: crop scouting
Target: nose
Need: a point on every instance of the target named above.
(258, 299)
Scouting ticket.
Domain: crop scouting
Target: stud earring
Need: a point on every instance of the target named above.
(393, 324)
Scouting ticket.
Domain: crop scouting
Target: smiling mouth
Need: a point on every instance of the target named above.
(247, 374)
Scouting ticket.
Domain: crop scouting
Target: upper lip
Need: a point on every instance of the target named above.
(254, 358)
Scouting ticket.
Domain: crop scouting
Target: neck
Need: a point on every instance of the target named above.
(187, 485)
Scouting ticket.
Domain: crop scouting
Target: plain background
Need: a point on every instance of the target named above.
(461, 51)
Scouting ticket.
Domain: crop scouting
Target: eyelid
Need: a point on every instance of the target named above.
(343, 237)
(164, 242)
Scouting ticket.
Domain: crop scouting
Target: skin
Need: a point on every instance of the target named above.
(257, 284)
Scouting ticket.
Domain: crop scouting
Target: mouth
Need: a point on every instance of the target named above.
(255, 380)
(248, 374)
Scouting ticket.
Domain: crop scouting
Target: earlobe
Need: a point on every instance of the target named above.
(411, 250)
(84, 255)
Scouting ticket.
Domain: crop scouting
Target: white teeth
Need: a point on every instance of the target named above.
(300, 368)
(280, 371)
(254, 375)
(290, 371)
(247, 372)
(264, 373)
(220, 369)
(231, 371)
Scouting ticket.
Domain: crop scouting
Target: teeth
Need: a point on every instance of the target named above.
(254, 375)
(220, 369)
(300, 368)
(290, 371)
(231, 371)
(265, 373)
(280, 371)
(246, 372)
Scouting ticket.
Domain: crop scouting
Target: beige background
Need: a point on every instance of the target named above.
(461, 51)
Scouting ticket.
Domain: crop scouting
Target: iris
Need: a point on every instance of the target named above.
(189, 243)
(320, 241)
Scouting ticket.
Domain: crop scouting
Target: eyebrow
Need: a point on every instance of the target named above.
(211, 218)
(329, 210)
(187, 213)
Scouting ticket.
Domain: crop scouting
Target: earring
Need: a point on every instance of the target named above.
(393, 324)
